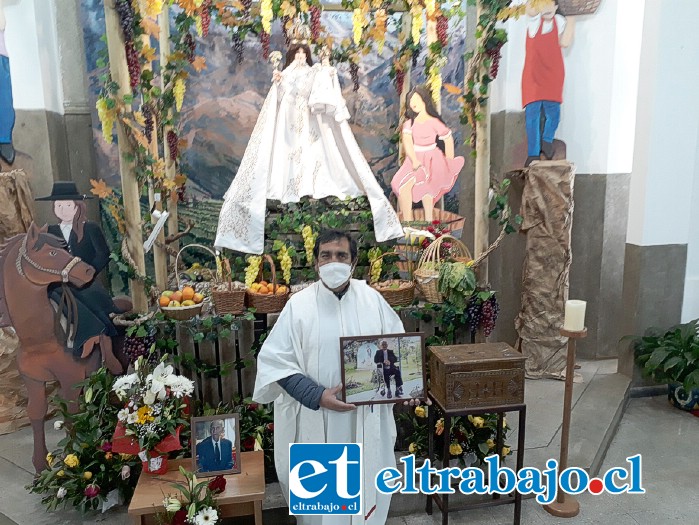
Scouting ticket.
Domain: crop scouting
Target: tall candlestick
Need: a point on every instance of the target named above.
(575, 316)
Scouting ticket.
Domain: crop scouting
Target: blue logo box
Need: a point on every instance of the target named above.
(325, 478)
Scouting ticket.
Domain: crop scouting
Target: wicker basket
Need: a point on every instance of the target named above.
(454, 222)
(267, 303)
(228, 301)
(427, 273)
(402, 296)
(578, 7)
(184, 313)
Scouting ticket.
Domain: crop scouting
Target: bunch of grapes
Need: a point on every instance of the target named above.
(150, 121)
(285, 261)
(416, 55)
(354, 72)
(315, 21)
(205, 17)
(135, 347)
(126, 18)
(238, 47)
(374, 255)
(489, 314)
(495, 55)
(285, 30)
(473, 310)
(442, 30)
(106, 117)
(252, 269)
(190, 47)
(264, 38)
(133, 63)
(400, 78)
(309, 241)
(181, 193)
(172, 140)
(178, 92)
(246, 5)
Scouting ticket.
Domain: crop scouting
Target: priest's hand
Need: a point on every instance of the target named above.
(329, 401)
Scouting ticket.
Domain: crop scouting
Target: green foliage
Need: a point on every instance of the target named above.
(671, 356)
(457, 282)
(89, 431)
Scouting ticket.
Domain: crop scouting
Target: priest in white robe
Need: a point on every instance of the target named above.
(299, 369)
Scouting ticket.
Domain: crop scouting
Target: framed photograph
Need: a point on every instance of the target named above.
(383, 368)
(216, 445)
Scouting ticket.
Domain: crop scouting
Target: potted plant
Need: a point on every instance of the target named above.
(672, 357)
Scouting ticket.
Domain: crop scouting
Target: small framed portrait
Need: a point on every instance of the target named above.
(383, 368)
(216, 445)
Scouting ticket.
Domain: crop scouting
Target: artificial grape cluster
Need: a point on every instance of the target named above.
(178, 91)
(400, 78)
(309, 241)
(489, 314)
(135, 347)
(473, 310)
(172, 140)
(374, 255)
(416, 55)
(252, 269)
(442, 30)
(126, 18)
(315, 21)
(106, 117)
(133, 63)
(150, 122)
(287, 35)
(285, 262)
(190, 47)
(205, 17)
(181, 191)
(354, 72)
(246, 5)
(380, 18)
(264, 39)
(238, 47)
(495, 54)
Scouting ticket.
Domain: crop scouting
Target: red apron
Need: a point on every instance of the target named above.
(544, 72)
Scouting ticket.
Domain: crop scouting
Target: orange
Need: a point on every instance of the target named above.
(188, 293)
(164, 300)
(281, 290)
(263, 283)
(263, 290)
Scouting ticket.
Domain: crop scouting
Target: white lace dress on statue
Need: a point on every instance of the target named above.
(301, 146)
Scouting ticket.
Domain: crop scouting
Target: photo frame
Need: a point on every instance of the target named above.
(208, 459)
(368, 378)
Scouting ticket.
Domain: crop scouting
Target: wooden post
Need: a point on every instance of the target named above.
(129, 185)
(170, 172)
(482, 179)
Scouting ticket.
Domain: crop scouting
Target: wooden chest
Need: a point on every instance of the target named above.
(487, 374)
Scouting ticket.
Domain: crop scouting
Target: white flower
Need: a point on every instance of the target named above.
(123, 414)
(257, 445)
(58, 425)
(123, 384)
(125, 472)
(206, 516)
(132, 418)
(149, 398)
(172, 504)
(182, 387)
(161, 377)
(61, 493)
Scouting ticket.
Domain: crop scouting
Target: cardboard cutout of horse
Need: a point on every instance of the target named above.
(29, 263)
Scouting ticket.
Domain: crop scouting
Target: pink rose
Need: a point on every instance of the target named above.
(92, 491)
(106, 446)
(270, 427)
(253, 406)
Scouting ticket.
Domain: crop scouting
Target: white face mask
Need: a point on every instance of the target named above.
(335, 274)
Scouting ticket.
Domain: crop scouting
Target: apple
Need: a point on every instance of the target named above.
(198, 298)
(167, 293)
(174, 304)
(188, 302)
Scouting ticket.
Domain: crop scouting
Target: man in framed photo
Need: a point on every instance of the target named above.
(387, 359)
(299, 368)
(215, 453)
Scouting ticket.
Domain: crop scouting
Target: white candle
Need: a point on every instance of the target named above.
(575, 316)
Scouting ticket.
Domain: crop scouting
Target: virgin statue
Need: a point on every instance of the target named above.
(301, 146)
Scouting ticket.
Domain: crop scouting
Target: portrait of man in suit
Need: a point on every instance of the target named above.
(215, 453)
(387, 358)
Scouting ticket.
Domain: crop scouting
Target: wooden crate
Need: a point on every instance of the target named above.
(485, 374)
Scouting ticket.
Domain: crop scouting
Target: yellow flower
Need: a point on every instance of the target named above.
(60, 473)
(455, 449)
(477, 421)
(145, 415)
(49, 459)
(87, 474)
(439, 427)
(505, 451)
(412, 448)
(420, 412)
(490, 443)
(71, 461)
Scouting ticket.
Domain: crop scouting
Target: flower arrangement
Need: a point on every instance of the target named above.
(196, 502)
(154, 411)
(472, 435)
(83, 471)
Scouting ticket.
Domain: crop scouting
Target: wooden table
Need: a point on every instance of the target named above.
(243, 495)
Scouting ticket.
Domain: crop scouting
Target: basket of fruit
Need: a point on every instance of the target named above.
(396, 292)
(184, 303)
(228, 296)
(265, 297)
(427, 272)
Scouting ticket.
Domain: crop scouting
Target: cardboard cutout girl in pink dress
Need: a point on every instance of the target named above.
(430, 169)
